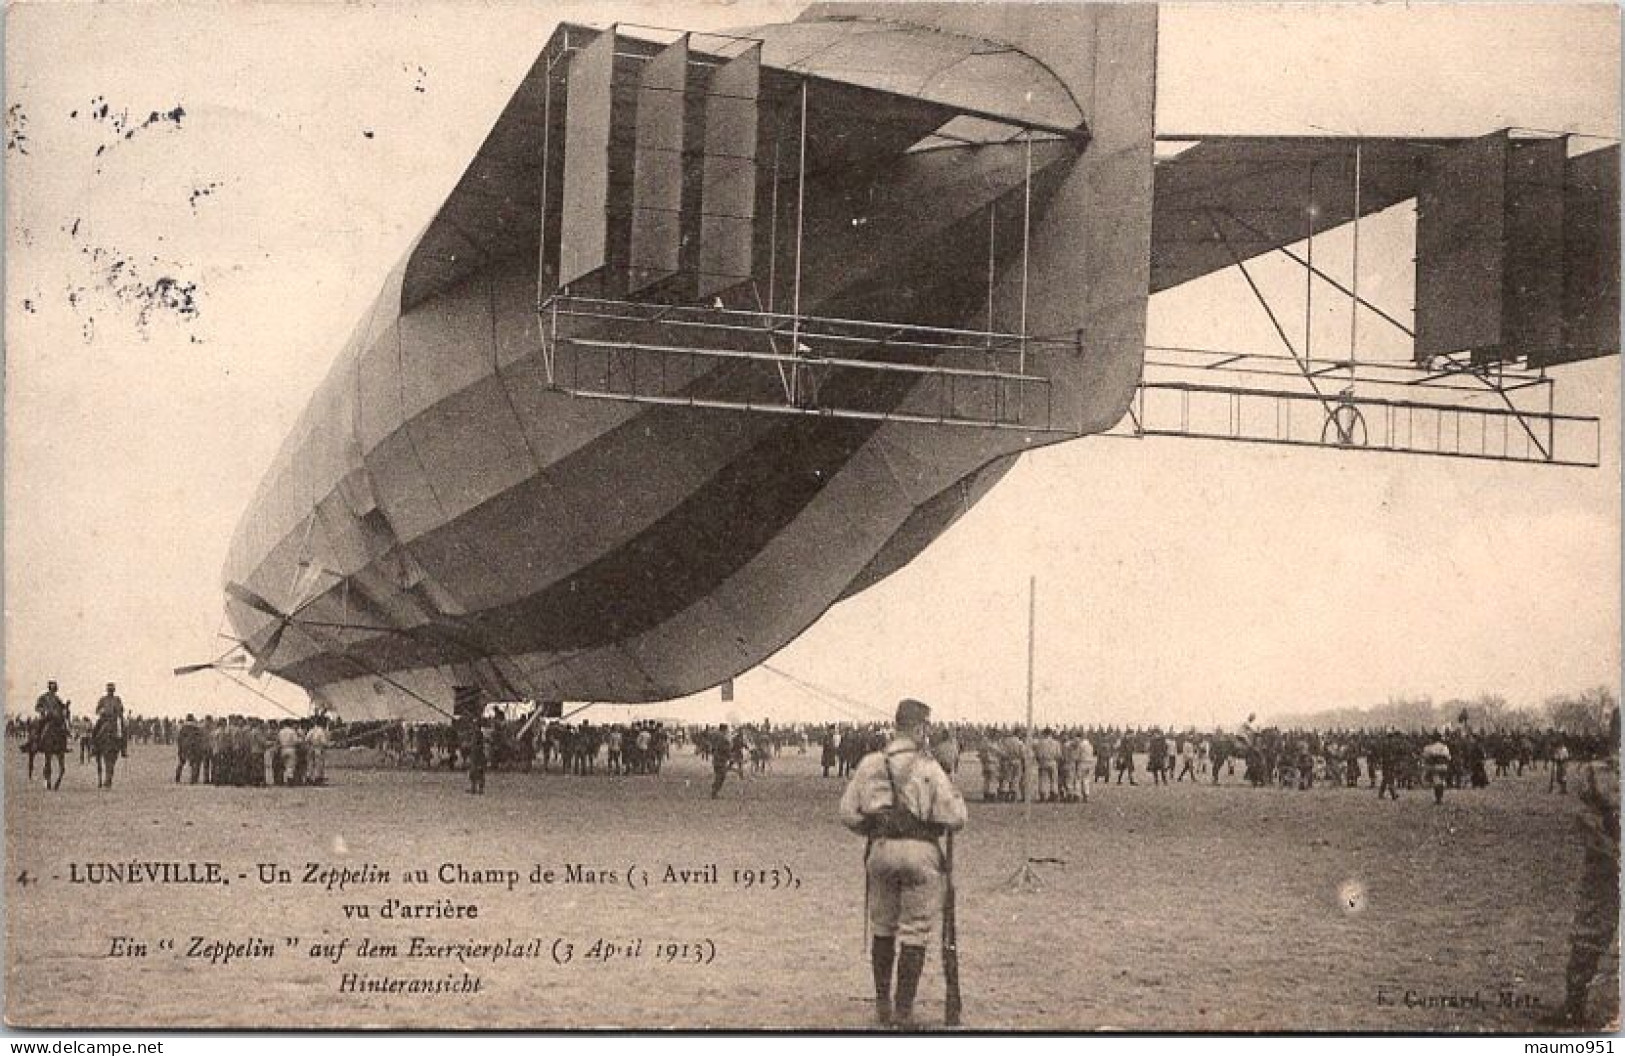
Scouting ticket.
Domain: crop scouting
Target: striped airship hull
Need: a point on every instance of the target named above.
(456, 506)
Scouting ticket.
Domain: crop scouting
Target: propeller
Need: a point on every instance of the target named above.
(230, 660)
(263, 649)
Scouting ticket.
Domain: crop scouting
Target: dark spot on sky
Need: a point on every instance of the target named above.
(201, 192)
(120, 277)
(367, 132)
(16, 129)
(28, 305)
(120, 124)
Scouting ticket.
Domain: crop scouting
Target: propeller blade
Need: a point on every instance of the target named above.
(264, 654)
(190, 669)
(254, 601)
(271, 642)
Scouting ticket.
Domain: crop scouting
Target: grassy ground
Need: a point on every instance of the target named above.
(1179, 908)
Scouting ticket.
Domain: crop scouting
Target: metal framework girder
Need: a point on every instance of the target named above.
(715, 359)
(1170, 408)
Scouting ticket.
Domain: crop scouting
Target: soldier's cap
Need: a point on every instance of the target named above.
(911, 712)
(110, 686)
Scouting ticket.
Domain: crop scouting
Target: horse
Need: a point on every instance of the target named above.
(51, 741)
(30, 745)
(107, 743)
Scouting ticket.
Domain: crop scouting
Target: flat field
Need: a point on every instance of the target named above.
(1177, 908)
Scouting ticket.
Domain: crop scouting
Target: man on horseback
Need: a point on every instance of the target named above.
(47, 703)
(50, 736)
(107, 737)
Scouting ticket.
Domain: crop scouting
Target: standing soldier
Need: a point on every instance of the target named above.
(1047, 756)
(1084, 768)
(1069, 768)
(988, 753)
(190, 748)
(721, 756)
(287, 739)
(317, 741)
(1559, 775)
(1157, 759)
(1436, 761)
(1125, 758)
(1389, 755)
(1011, 777)
(1187, 757)
(901, 801)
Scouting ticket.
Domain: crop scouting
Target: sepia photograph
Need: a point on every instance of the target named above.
(838, 517)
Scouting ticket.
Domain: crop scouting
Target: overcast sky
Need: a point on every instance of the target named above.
(275, 160)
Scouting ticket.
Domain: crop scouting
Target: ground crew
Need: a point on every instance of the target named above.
(1010, 761)
(1083, 767)
(1047, 756)
(988, 753)
(901, 801)
(317, 742)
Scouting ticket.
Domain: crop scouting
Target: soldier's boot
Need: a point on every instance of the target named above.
(910, 962)
(882, 953)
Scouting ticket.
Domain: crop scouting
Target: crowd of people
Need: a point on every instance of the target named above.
(1054, 765)
(582, 748)
(1061, 764)
(252, 752)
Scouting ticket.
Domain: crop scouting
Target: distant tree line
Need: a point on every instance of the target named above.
(1587, 712)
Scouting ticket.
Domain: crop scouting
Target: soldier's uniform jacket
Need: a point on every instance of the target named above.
(917, 781)
(1599, 790)
(49, 704)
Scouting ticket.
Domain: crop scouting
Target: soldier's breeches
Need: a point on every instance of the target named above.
(905, 890)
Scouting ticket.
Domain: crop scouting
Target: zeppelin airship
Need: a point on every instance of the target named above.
(718, 329)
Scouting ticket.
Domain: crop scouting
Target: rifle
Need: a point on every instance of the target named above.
(950, 939)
